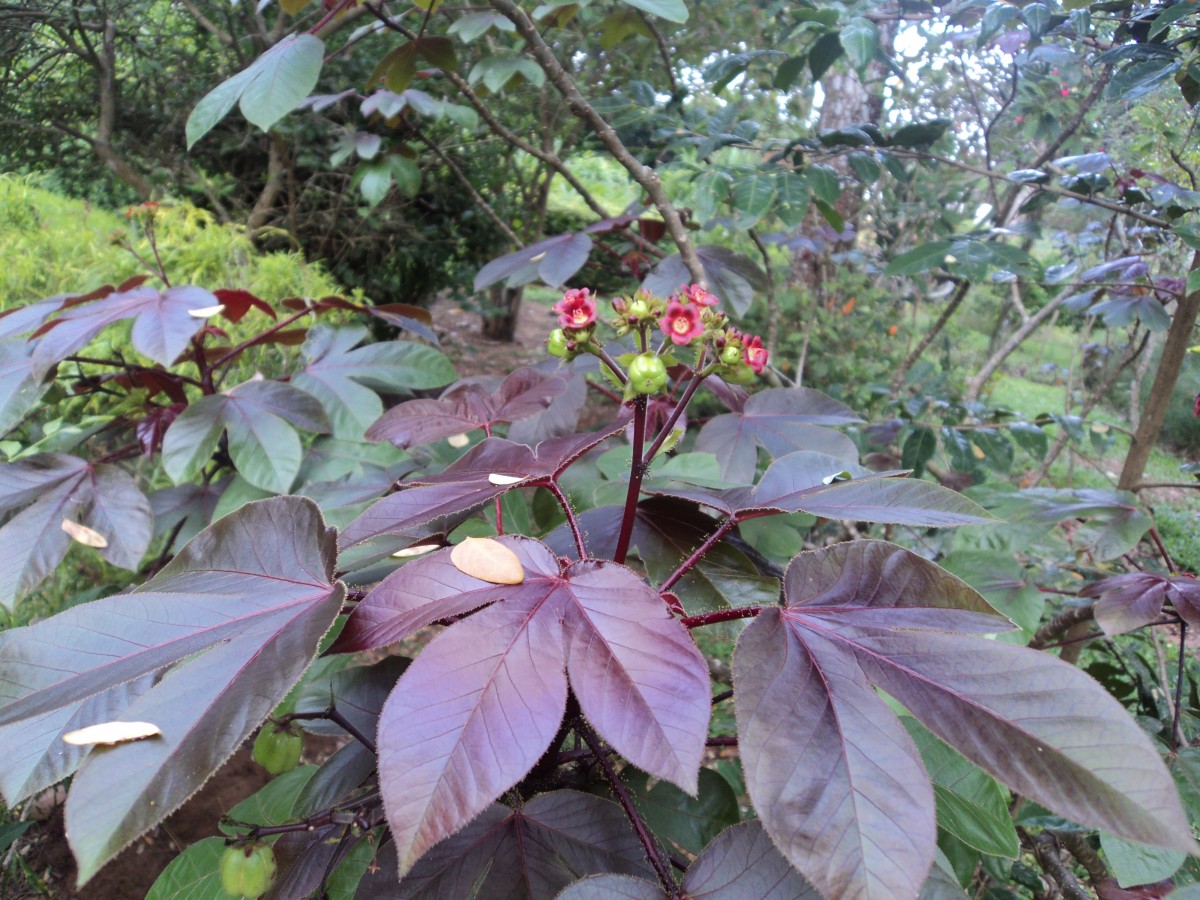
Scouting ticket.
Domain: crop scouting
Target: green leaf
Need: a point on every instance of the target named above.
(671, 10)
(860, 40)
(1140, 78)
(1193, 281)
(919, 259)
(256, 414)
(687, 823)
(283, 76)
(824, 183)
(824, 53)
(195, 874)
(752, 197)
(792, 197)
(215, 106)
(864, 167)
(1133, 864)
(918, 448)
(475, 25)
(273, 804)
(789, 72)
(346, 381)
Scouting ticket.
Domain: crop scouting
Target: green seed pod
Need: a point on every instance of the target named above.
(248, 871)
(647, 373)
(277, 749)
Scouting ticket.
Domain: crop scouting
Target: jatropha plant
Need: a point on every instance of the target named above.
(504, 630)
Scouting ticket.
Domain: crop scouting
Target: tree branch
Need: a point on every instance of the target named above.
(646, 178)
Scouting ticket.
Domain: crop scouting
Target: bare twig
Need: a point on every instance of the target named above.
(645, 177)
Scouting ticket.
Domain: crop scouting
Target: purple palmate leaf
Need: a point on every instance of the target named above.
(533, 851)
(466, 407)
(163, 324)
(780, 420)
(56, 487)
(471, 481)
(468, 719)
(1129, 601)
(481, 703)
(870, 613)
(836, 488)
(234, 620)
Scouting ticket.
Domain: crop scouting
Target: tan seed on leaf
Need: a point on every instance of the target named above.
(458, 441)
(83, 535)
(488, 560)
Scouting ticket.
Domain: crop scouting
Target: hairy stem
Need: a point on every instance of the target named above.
(665, 433)
(724, 529)
(662, 866)
(724, 615)
(572, 519)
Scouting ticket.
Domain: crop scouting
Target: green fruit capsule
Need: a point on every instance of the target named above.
(731, 355)
(556, 344)
(647, 373)
(248, 870)
(277, 748)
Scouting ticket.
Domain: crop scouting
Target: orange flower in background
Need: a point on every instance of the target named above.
(848, 306)
(892, 330)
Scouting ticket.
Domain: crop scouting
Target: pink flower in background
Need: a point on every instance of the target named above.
(755, 354)
(699, 295)
(681, 323)
(576, 309)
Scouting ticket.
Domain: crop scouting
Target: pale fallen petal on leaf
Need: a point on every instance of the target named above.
(487, 560)
(415, 550)
(501, 480)
(83, 535)
(458, 441)
(206, 311)
(111, 733)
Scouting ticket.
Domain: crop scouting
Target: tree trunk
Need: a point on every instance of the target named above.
(1179, 338)
(500, 318)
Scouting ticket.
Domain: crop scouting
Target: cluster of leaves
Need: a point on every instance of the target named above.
(568, 660)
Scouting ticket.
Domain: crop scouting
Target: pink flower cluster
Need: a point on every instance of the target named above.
(682, 323)
(576, 309)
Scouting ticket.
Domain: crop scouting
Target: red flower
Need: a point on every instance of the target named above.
(699, 295)
(681, 323)
(755, 354)
(576, 309)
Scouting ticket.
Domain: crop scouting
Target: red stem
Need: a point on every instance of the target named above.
(661, 866)
(250, 342)
(571, 518)
(637, 469)
(712, 539)
(674, 417)
(724, 615)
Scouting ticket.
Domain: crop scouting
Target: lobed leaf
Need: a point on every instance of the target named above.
(466, 407)
(870, 614)
(234, 620)
(162, 327)
(467, 483)
(780, 420)
(258, 417)
(58, 487)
